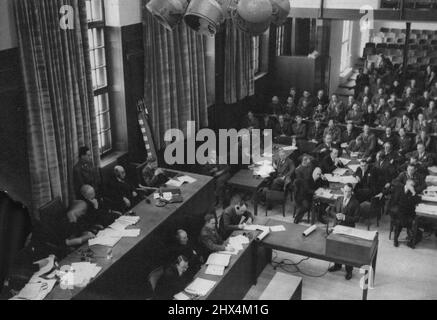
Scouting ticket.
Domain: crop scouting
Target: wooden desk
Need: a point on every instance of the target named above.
(242, 272)
(125, 275)
(314, 246)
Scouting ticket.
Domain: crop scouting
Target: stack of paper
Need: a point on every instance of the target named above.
(79, 274)
(323, 193)
(218, 259)
(432, 170)
(36, 289)
(345, 161)
(123, 222)
(354, 167)
(174, 183)
(356, 233)
(182, 296)
(340, 172)
(427, 209)
(342, 180)
(200, 287)
(127, 233)
(186, 179)
(215, 270)
(277, 228)
(431, 180)
(106, 241)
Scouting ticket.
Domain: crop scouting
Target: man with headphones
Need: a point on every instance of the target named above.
(235, 218)
(347, 213)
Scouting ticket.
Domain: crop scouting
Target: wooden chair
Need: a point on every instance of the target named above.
(277, 197)
(154, 277)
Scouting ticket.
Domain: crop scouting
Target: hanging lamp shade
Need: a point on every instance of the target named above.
(169, 13)
(253, 16)
(204, 16)
(281, 10)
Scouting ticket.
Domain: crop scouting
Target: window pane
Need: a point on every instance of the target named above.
(101, 77)
(99, 56)
(99, 38)
(88, 11)
(97, 10)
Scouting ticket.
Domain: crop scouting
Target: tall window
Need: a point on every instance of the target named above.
(96, 38)
(280, 39)
(346, 46)
(256, 54)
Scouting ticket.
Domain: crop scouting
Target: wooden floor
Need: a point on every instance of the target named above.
(402, 273)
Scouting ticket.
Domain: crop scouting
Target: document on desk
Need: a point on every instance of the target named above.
(277, 228)
(427, 209)
(174, 183)
(36, 289)
(431, 180)
(107, 241)
(181, 296)
(186, 179)
(323, 193)
(200, 287)
(218, 259)
(345, 161)
(433, 170)
(354, 167)
(340, 172)
(356, 233)
(215, 270)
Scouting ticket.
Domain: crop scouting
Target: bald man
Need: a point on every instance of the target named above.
(122, 194)
(182, 246)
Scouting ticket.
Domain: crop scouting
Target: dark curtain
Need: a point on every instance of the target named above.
(239, 77)
(175, 76)
(60, 104)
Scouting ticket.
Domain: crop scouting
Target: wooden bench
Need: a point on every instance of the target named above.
(283, 287)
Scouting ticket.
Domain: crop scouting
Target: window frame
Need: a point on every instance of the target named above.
(346, 44)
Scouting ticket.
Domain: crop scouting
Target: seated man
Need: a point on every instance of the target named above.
(389, 137)
(424, 159)
(267, 123)
(315, 134)
(275, 106)
(348, 135)
(282, 128)
(334, 131)
(319, 113)
(410, 174)
(369, 142)
(152, 177)
(121, 193)
(386, 120)
(299, 129)
(183, 247)
(405, 199)
(98, 216)
(284, 169)
(347, 213)
(355, 115)
(250, 122)
(234, 218)
(356, 146)
(304, 195)
(210, 238)
(84, 172)
(325, 148)
(405, 143)
(331, 162)
(173, 280)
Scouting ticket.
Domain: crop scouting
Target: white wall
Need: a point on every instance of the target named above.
(123, 12)
(8, 31)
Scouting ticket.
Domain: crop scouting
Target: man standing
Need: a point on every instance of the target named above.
(84, 171)
(347, 213)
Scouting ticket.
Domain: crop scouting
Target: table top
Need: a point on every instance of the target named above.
(293, 241)
(151, 217)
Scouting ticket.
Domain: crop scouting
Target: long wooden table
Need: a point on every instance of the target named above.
(124, 276)
(313, 246)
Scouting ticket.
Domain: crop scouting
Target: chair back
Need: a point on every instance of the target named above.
(275, 196)
(154, 277)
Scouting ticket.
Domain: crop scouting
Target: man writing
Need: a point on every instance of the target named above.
(235, 218)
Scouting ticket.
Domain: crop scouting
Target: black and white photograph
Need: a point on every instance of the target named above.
(218, 155)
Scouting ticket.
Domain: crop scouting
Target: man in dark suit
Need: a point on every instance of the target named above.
(121, 193)
(282, 128)
(276, 107)
(347, 213)
(348, 135)
(369, 141)
(84, 172)
(404, 142)
(173, 280)
(284, 169)
(299, 129)
(182, 246)
(315, 133)
(424, 159)
(410, 174)
(251, 122)
(331, 162)
(209, 237)
(305, 171)
(234, 218)
(325, 148)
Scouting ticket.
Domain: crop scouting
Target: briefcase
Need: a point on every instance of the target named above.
(350, 249)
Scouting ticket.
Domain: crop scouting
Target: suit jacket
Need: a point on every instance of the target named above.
(351, 211)
(170, 284)
(254, 123)
(404, 144)
(418, 179)
(328, 165)
(334, 132)
(282, 130)
(425, 161)
(316, 133)
(369, 143)
(347, 137)
(304, 173)
(211, 240)
(117, 191)
(300, 130)
(285, 168)
(367, 179)
(230, 220)
(84, 173)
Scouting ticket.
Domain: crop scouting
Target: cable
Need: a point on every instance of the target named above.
(286, 263)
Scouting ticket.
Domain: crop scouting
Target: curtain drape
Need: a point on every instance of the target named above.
(59, 97)
(175, 76)
(239, 77)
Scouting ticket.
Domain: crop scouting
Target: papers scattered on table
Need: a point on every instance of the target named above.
(427, 209)
(431, 180)
(326, 194)
(187, 179)
(215, 270)
(124, 221)
(46, 265)
(342, 180)
(106, 241)
(79, 274)
(36, 289)
(345, 161)
(200, 287)
(340, 172)
(218, 259)
(354, 167)
(277, 228)
(344, 145)
(111, 236)
(174, 183)
(265, 230)
(290, 148)
(356, 233)
(181, 296)
(433, 170)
